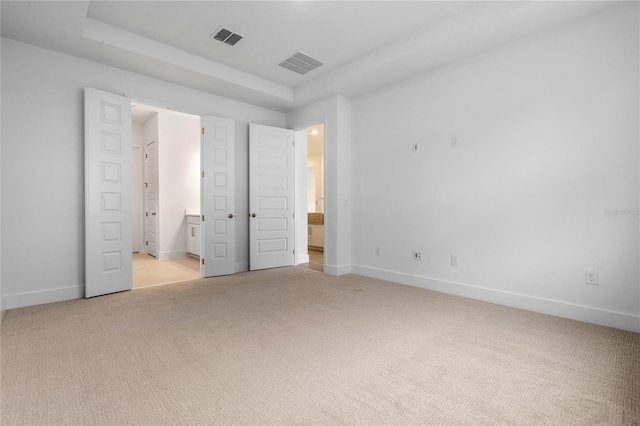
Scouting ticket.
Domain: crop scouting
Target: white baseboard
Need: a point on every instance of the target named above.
(3, 308)
(336, 271)
(546, 306)
(21, 300)
(242, 267)
(172, 254)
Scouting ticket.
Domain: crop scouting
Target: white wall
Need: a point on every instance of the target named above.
(43, 164)
(179, 179)
(317, 162)
(548, 141)
(335, 114)
(137, 134)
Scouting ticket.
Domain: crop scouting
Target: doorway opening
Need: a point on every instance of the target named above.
(315, 196)
(165, 195)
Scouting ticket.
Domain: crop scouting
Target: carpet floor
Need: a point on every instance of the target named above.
(295, 346)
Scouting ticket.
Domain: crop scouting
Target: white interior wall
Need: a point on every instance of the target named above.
(548, 143)
(179, 179)
(335, 113)
(47, 162)
(317, 162)
(137, 134)
(311, 189)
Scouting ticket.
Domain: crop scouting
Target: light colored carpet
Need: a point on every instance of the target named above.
(149, 271)
(294, 346)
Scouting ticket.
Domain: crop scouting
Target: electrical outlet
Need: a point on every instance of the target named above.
(591, 277)
(378, 251)
(454, 141)
(417, 255)
(454, 260)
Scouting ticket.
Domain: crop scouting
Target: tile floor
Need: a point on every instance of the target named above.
(148, 271)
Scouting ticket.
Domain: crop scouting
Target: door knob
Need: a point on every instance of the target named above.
(153, 214)
(230, 216)
(253, 215)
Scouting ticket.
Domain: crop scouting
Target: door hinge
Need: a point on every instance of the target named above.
(294, 143)
(146, 185)
(146, 156)
(203, 173)
(146, 213)
(294, 251)
(203, 218)
(203, 130)
(202, 261)
(146, 243)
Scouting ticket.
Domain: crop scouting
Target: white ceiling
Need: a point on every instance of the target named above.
(366, 45)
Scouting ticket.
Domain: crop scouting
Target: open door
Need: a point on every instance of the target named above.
(218, 248)
(151, 198)
(271, 197)
(107, 140)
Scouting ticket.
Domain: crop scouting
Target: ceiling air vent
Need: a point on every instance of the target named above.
(226, 36)
(301, 63)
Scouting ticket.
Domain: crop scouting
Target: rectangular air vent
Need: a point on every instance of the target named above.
(226, 36)
(301, 63)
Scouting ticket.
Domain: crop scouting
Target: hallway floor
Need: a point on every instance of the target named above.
(147, 271)
(316, 260)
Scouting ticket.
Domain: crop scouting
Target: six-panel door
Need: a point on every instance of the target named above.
(271, 197)
(108, 193)
(218, 194)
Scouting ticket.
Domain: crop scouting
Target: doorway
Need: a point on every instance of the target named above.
(165, 193)
(315, 196)
(108, 186)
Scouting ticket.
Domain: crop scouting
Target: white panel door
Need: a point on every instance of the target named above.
(218, 243)
(107, 127)
(271, 197)
(151, 198)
